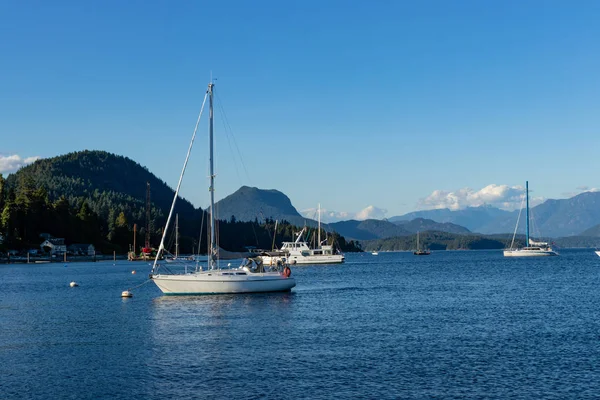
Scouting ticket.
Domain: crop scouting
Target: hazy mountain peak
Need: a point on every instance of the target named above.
(329, 216)
(250, 203)
(371, 212)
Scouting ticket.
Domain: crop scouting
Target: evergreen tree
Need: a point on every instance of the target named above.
(62, 219)
(2, 186)
(9, 223)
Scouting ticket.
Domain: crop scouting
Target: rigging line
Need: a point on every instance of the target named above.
(534, 226)
(228, 125)
(187, 157)
(517, 225)
(254, 231)
(201, 228)
(226, 120)
(271, 237)
(228, 136)
(217, 235)
(135, 287)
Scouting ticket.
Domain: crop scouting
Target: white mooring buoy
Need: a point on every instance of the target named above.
(126, 293)
(73, 284)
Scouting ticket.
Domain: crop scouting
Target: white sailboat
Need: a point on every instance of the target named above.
(298, 252)
(532, 248)
(213, 279)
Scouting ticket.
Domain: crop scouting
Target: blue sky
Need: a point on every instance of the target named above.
(392, 104)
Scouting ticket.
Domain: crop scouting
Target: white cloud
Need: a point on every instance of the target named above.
(582, 189)
(501, 196)
(327, 216)
(14, 162)
(370, 212)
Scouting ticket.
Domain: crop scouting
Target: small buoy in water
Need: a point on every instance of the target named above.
(133, 272)
(73, 284)
(126, 293)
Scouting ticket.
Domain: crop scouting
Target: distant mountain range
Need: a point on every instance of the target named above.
(250, 203)
(423, 224)
(476, 219)
(553, 218)
(368, 230)
(379, 229)
(578, 215)
(329, 216)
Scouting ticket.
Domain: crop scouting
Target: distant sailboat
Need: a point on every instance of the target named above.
(531, 249)
(420, 252)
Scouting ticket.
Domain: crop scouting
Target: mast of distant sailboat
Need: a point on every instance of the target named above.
(527, 213)
(176, 235)
(319, 234)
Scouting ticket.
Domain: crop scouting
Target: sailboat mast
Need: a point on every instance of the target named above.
(211, 250)
(176, 235)
(319, 234)
(417, 240)
(527, 214)
(274, 235)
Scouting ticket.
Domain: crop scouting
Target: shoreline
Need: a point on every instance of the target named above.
(70, 259)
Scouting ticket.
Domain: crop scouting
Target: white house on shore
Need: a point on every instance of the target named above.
(56, 245)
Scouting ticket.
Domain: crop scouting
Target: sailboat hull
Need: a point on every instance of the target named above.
(223, 281)
(529, 253)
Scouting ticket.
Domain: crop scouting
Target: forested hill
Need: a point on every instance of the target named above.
(435, 240)
(109, 183)
(97, 197)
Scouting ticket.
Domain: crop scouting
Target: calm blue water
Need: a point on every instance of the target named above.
(450, 325)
